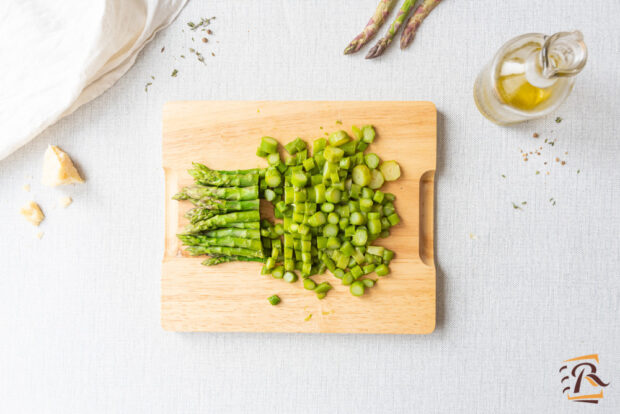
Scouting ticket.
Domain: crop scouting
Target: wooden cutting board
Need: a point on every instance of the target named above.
(233, 296)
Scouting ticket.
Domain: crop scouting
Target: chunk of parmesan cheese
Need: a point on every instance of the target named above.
(32, 212)
(65, 201)
(58, 169)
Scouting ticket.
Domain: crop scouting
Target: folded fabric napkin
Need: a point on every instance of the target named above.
(60, 54)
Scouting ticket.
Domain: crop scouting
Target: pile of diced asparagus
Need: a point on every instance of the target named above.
(330, 204)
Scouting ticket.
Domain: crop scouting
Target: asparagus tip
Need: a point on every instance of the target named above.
(376, 51)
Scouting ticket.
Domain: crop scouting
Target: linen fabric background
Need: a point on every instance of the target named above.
(518, 290)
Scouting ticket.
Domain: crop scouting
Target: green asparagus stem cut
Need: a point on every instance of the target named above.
(268, 145)
(372, 27)
(274, 300)
(390, 170)
(357, 288)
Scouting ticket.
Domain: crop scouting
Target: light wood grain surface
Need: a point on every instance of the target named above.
(233, 296)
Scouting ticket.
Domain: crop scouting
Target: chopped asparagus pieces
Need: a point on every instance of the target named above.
(330, 202)
(274, 300)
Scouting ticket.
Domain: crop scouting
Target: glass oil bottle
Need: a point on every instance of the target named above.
(530, 76)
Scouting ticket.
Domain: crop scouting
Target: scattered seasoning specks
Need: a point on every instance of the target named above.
(308, 317)
(535, 135)
(204, 40)
(339, 122)
(146, 87)
(174, 73)
(578, 171)
(162, 49)
(503, 175)
(515, 206)
(558, 120)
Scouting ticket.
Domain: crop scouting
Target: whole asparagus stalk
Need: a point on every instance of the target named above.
(225, 205)
(226, 220)
(212, 261)
(224, 250)
(384, 42)
(416, 19)
(232, 232)
(199, 240)
(223, 193)
(373, 25)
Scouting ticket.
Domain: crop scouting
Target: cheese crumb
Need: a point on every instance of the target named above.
(65, 201)
(58, 169)
(32, 212)
(26, 187)
(40, 235)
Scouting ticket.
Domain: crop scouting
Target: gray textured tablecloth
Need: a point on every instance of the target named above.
(519, 290)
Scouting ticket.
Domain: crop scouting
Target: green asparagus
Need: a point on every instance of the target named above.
(224, 250)
(373, 25)
(215, 260)
(226, 205)
(384, 42)
(416, 19)
(199, 240)
(199, 192)
(330, 201)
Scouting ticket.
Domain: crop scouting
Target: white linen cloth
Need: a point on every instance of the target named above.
(66, 53)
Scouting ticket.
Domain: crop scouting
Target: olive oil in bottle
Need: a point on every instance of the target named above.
(530, 76)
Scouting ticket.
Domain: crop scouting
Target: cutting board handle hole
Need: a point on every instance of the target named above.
(427, 194)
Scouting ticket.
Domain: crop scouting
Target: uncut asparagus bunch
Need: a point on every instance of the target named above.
(384, 42)
(373, 25)
(415, 21)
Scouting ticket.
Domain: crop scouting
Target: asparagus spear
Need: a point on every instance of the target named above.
(224, 250)
(384, 42)
(225, 205)
(415, 21)
(199, 240)
(224, 193)
(199, 214)
(232, 232)
(226, 220)
(377, 19)
(204, 168)
(205, 176)
(212, 261)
